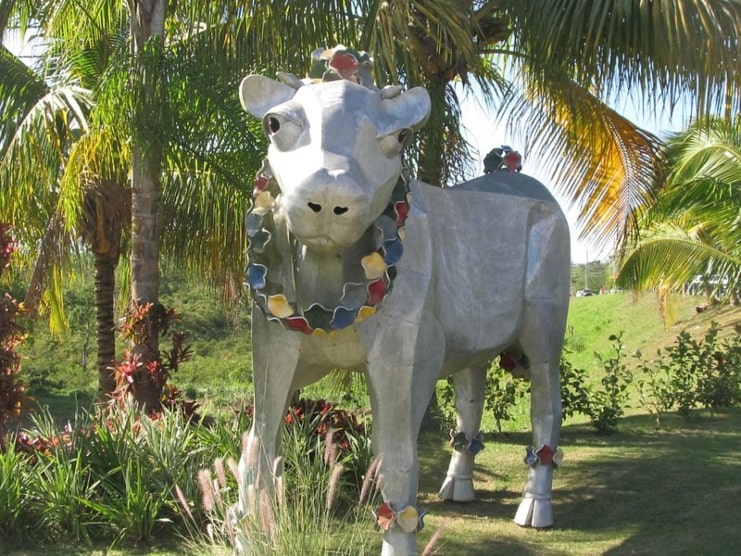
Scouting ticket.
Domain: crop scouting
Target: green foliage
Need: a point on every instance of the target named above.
(62, 482)
(503, 391)
(693, 373)
(608, 404)
(654, 384)
(692, 229)
(593, 275)
(321, 430)
(12, 397)
(15, 510)
(576, 392)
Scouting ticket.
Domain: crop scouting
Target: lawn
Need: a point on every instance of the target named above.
(639, 491)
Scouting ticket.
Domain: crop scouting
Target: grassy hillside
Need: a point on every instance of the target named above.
(61, 371)
(592, 320)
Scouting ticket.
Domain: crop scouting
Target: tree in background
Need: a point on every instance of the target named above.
(695, 227)
(65, 141)
(12, 396)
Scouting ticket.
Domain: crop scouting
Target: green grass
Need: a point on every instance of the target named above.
(640, 491)
(593, 319)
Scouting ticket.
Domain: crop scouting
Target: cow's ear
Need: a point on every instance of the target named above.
(258, 94)
(411, 108)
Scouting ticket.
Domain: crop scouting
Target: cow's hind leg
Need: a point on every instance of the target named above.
(541, 341)
(469, 385)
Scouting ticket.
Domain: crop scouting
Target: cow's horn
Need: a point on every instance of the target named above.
(290, 79)
(391, 91)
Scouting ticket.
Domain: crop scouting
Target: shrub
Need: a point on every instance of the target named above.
(12, 396)
(608, 404)
(15, 508)
(141, 370)
(692, 374)
(655, 392)
(575, 391)
(503, 391)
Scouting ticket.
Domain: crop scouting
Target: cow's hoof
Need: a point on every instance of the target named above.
(534, 512)
(457, 489)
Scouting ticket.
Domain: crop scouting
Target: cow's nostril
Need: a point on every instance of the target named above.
(315, 207)
(340, 210)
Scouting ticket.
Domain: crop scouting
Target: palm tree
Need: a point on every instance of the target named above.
(694, 229)
(106, 214)
(81, 180)
(564, 60)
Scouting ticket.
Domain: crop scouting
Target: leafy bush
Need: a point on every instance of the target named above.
(692, 374)
(503, 391)
(575, 390)
(12, 397)
(15, 510)
(608, 404)
(503, 394)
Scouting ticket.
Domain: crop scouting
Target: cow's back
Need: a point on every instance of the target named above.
(484, 235)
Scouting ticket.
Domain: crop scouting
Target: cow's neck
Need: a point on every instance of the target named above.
(312, 292)
(321, 277)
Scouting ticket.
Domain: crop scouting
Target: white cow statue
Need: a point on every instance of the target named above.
(354, 266)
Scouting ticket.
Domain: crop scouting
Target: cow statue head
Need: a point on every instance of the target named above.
(335, 151)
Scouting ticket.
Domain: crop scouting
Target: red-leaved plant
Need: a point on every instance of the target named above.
(132, 372)
(12, 390)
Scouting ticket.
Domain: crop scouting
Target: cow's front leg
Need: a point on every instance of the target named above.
(402, 371)
(541, 342)
(275, 362)
(469, 385)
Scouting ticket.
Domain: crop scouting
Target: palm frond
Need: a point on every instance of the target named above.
(672, 262)
(600, 161)
(663, 50)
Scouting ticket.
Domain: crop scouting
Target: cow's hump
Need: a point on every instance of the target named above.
(508, 183)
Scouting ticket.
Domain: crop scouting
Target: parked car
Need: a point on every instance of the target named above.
(584, 293)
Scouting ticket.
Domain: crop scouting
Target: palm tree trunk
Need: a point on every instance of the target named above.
(432, 149)
(147, 27)
(104, 321)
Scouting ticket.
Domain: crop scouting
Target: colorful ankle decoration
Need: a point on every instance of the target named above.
(409, 520)
(461, 443)
(545, 455)
(359, 300)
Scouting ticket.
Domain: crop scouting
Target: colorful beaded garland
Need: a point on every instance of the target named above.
(358, 301)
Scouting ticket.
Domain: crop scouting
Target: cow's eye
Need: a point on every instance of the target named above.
(283, 132)
(393, 143)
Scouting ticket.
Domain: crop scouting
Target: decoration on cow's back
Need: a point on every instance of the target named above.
(358, 301)
(502, 158)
